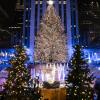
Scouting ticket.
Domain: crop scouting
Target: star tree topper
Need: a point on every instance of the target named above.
(50, 2)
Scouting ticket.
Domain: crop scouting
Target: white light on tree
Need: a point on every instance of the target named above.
(50, 2)
(99, 68)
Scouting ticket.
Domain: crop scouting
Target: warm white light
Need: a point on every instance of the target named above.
(99, 68)
(50, 2)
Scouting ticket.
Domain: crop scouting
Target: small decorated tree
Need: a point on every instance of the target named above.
(18, 75)
(17, 84)
(79, 79)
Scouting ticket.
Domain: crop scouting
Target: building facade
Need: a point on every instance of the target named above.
(16, 27)
(11, 34)
(80, 19)
(89, 23)
(89, 28)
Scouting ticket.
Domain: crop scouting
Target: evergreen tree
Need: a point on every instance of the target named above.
(18, 74)
(17, 84)
(50, 44)
(79, 79)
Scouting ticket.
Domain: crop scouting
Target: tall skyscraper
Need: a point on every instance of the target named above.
(89, 31)
(5, 19)
(10, 31)
(16, 27)
(89, 23)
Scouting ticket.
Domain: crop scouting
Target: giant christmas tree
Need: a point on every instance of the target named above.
(79, 79)
(50, 44)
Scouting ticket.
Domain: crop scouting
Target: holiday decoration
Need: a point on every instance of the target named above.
(50, 2)
(49, 72)
(79, 78)
(50, 44)
(17, 86)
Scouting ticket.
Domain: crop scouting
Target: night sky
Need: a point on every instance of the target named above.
(7, 8)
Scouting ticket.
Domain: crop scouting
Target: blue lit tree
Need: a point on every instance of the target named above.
(79, 79)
